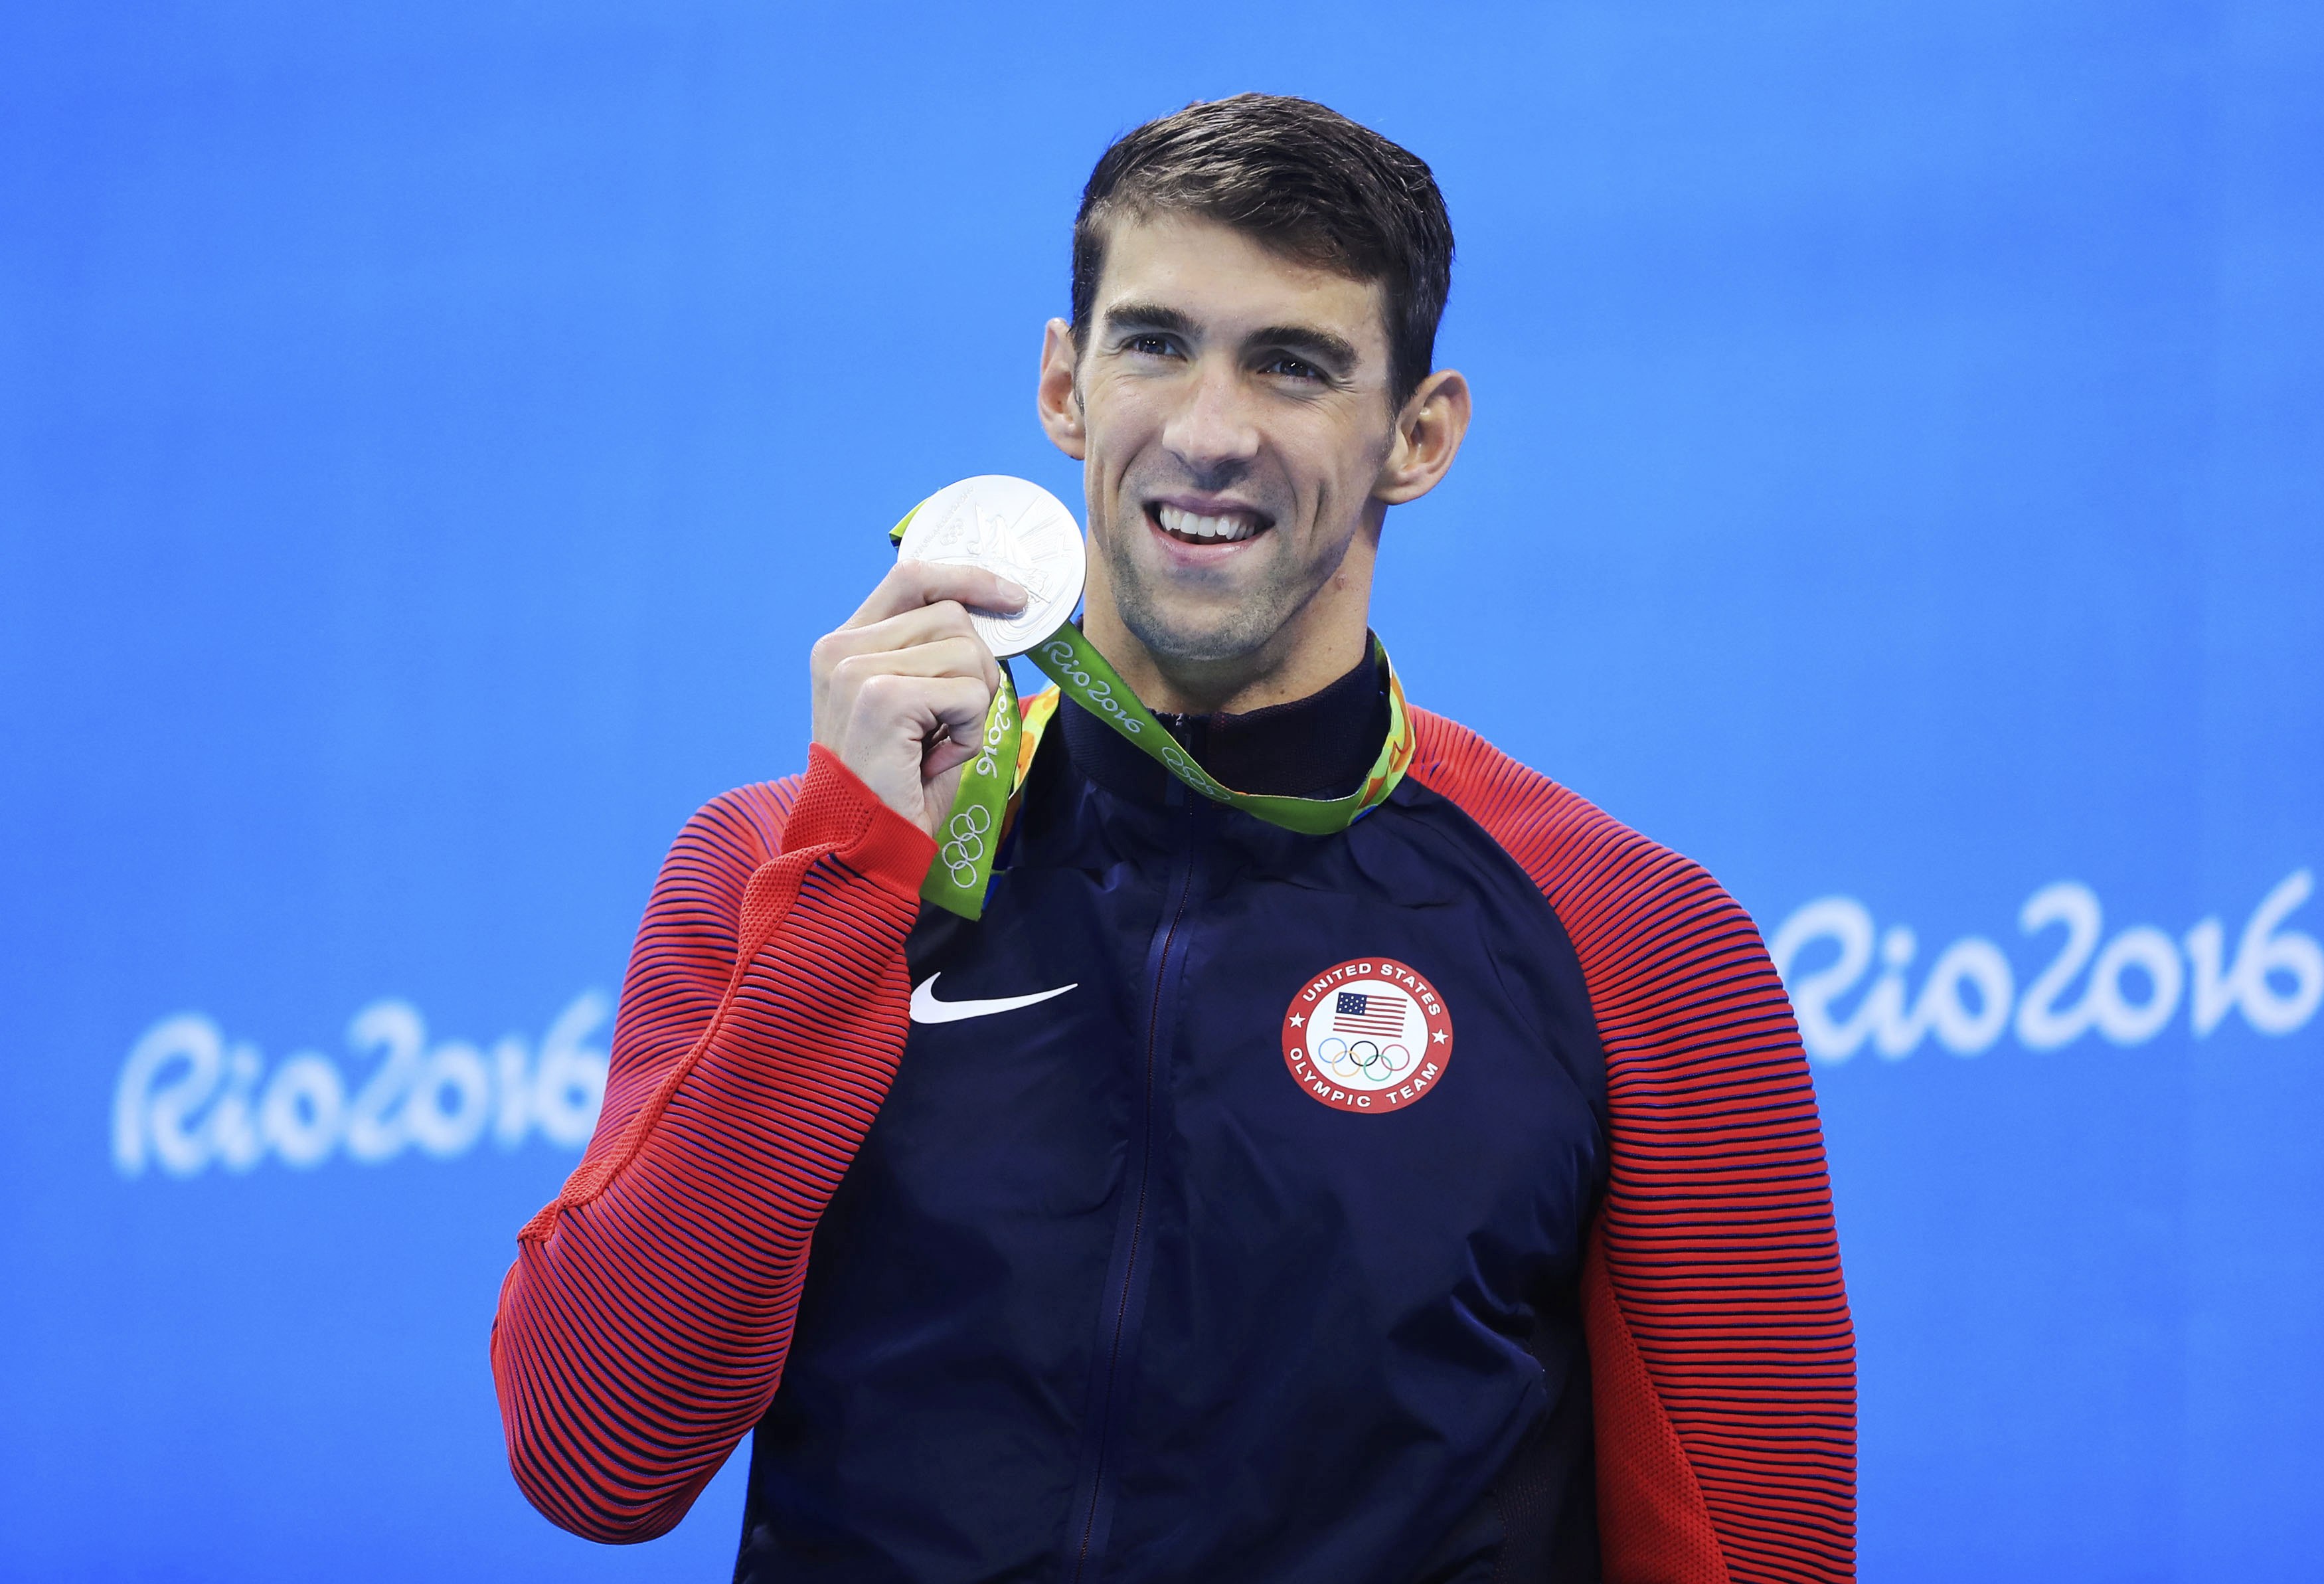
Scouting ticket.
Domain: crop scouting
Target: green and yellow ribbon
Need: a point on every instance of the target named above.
(970, 838)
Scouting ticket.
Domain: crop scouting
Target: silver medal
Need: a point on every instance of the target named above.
(1014, 527)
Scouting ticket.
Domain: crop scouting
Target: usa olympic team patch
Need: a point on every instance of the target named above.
(1368, 1035)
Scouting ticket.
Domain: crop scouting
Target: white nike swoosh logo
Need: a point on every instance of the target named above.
(927, 1008)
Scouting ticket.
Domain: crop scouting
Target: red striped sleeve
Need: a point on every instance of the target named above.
(1722, 1358)
(642, 1330)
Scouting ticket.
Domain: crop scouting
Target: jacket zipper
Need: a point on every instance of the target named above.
(1138, 1219)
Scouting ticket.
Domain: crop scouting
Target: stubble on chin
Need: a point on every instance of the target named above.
(1174, 633)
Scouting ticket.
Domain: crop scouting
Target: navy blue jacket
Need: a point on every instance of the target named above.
(1107, 1294)
(1442, 1199)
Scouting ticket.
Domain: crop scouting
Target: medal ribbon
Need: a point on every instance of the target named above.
(970, 838)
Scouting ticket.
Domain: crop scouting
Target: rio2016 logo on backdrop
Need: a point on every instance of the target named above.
(2137, 982)
(188, 1097)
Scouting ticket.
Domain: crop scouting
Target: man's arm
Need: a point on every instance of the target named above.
(642, 1328)
(1722, 1358)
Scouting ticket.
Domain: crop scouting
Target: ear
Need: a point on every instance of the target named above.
(1056, 395)
(1427, 437)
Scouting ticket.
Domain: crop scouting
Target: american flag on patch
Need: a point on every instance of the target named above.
(1378, 1012)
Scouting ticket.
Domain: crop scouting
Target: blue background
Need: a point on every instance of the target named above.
(431, 436)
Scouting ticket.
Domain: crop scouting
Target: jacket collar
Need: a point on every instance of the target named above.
(1321, 745)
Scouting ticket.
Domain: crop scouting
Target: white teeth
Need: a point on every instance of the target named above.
(1221, 530)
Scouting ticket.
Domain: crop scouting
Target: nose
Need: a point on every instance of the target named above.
(1213, 434)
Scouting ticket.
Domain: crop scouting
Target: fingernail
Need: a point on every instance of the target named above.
(1016, 589)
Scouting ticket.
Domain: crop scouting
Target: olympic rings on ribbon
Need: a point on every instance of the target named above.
(965, 850)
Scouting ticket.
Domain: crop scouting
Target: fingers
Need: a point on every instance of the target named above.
(959, 657)
(944, 754)
(918, 583)
(900, 691)
(889, 702)
(919, 625)
(903, 712)
(957, 707)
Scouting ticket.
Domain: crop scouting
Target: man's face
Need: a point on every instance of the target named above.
(1234, 407)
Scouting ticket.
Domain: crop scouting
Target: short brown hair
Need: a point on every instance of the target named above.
(1300, 179)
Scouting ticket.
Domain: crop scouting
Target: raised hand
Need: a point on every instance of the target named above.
(901, 688)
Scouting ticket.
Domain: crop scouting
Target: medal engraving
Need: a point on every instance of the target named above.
(1017, 529)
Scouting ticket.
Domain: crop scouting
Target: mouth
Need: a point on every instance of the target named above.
(1217, 525)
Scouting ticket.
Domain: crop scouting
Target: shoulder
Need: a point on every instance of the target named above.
(1698, 1033)
(1604, 879)
(1676, 969)
(1722, 1352)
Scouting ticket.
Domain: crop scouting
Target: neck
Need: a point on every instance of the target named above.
(1319, 747)
(1322, 643)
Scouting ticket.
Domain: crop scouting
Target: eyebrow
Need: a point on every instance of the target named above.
(1322, 346)
(1304, 340)
(1148, 316)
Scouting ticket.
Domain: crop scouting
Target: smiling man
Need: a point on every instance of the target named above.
(1437, 1198)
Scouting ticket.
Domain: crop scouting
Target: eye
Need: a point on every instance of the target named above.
(1290, 367)
(1149, 345)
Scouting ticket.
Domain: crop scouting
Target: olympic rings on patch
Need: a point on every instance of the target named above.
(1365, 1059)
